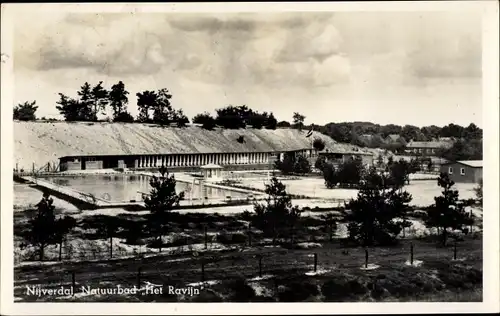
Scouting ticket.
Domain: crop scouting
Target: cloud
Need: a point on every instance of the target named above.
(303, 50)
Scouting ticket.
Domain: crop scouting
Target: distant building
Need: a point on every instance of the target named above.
(427, 148)
(465, 171)
(212, 172)
(447, 139)
(366, 138)
(339, 157)
(395, 139)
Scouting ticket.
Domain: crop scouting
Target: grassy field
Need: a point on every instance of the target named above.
(231, 265)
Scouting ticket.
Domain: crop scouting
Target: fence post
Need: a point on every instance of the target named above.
(60, 249)
(260, 266)
(315, 261)
(471, 221)
(202, 271)
(73, 280)
(455, 250)
(206, 236)
(366, 258)
(111, 246)
(139, 277)
(249, 235)
(411, 253)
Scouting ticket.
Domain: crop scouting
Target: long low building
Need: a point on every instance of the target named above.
(99, 145)
(81, 162)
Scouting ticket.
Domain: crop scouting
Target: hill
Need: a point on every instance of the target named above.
(44, 142)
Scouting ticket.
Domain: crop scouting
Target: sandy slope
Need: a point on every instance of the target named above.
(43, 142)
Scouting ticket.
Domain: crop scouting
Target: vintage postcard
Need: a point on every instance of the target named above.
(339, 155)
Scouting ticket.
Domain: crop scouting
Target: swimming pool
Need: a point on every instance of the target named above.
(121, 187)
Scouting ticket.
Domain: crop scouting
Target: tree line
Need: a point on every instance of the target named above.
(91, 101)
(352, 173)
(235, 117)
(352, 132)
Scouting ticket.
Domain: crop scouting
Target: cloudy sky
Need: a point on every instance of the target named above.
(403, 68)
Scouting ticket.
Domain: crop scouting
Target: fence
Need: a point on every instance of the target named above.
(259, 265)
(50, 167)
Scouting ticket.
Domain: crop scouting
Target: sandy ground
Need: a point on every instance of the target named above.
(43, 142)
(423, 192)
(26, 197)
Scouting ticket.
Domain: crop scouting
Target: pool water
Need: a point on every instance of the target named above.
(121, 187)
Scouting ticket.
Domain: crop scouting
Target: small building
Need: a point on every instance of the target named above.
(427, 148)
(465, 171)
(211, 172)
(340, 157)
(393, 139)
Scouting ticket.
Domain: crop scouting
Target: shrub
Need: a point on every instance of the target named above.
(240, 291)
(378, 292)
(318, 144)
(340, 289)
(234, 238)
(298, 291)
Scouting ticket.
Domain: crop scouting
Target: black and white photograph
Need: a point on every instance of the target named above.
(254, 153)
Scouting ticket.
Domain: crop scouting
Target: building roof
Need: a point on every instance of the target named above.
(469, 163)
(431, 144)
(472, 163)
(211, 166)
(393, 136)
(44, 142)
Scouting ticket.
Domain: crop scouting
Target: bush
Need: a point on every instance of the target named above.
(298, 292)
(240, 291)
(340, 289)
(318, 144)
(378, 291)
(234, 238)
(123, 117)
(320, 163)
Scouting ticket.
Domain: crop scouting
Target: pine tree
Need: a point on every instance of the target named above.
(42, 227)
(118, 100)
(146, 102)
(25, 111)
(99, 100)
(377, 215)
(163, 113)
(206, 120)
(72, 109)
(276, 215)
(448, 211)
(271, 121)
(161, 200)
